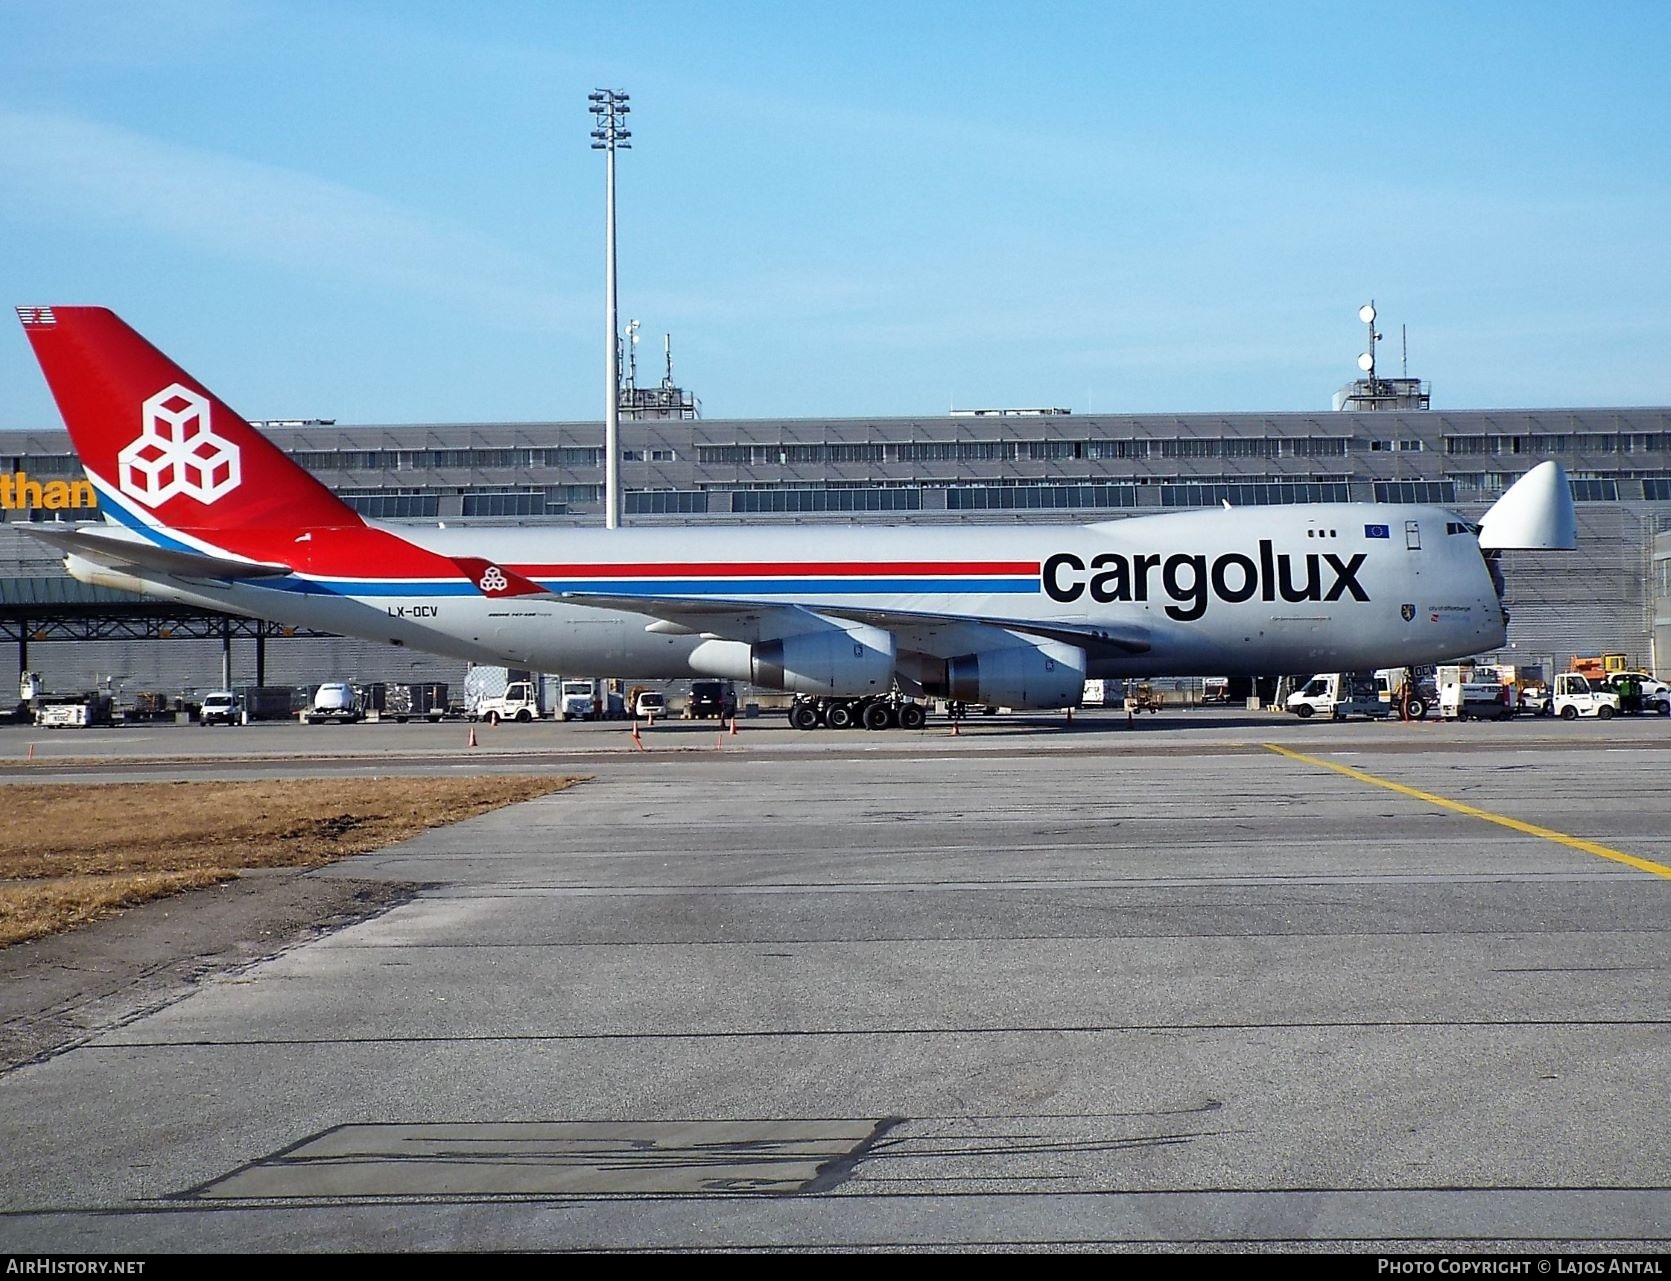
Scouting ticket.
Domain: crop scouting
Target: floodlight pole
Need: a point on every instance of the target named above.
(609, 107)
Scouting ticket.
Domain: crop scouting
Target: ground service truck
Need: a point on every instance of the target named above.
(582, 698)
(520, 702)
(1342, 694)
(495, 694)
(1575, 697)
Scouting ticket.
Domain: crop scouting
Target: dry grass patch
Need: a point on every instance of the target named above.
(72, 853)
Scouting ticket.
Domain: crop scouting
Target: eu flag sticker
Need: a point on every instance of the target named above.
(1376, 531)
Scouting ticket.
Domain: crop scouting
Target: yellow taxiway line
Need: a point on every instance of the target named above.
(1530, 829)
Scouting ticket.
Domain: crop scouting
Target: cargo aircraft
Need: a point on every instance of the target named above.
(202, 509)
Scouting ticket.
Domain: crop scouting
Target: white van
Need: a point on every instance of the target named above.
(221, 707)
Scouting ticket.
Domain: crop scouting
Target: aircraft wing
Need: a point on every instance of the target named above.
(127, 553)
(942, 635)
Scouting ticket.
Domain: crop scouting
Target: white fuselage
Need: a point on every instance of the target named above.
(1247, 592)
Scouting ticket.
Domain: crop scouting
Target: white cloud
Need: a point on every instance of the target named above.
(68, 168)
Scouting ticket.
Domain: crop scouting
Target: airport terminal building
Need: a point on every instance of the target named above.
(1383, 444)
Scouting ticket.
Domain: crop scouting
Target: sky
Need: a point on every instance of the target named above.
(388, 211)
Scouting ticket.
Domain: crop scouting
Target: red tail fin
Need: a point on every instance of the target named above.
(159, 445)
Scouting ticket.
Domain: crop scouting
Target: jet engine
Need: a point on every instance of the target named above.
(1040, 675)
(834, 663)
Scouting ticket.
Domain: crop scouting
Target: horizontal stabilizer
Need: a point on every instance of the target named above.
(1534, 514)
(126, 553)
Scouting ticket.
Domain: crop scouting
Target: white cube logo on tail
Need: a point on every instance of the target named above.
(177, 452)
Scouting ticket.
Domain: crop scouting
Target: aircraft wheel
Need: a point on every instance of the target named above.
(803, 716)
(875, 716)
(912, 716)
(1569, 713)
(1604, 713)
(839, 716)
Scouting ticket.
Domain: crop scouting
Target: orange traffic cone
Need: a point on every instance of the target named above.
(733, 724)
(31, 755)
(472, 741)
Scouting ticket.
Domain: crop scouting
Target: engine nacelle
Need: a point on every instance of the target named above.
(1041, 675)
(831, 663)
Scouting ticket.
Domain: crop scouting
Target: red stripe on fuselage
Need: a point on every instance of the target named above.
(778, 569)
(371, 553)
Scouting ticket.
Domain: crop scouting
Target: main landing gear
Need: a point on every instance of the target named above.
(886, 712)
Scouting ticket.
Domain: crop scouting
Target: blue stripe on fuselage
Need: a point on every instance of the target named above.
(789, 586)
(651, 588)
(604, 586)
